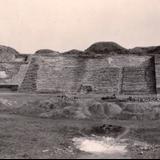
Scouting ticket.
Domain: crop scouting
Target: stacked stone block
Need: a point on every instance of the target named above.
(138, 80)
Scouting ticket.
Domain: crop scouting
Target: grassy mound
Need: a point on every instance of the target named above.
(106, 47)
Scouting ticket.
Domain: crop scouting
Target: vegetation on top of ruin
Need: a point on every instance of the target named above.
(73, 52)
(98, 48)
(106, 47)
(145, 50)
(5, 49)
(46, 52)
(7, 54)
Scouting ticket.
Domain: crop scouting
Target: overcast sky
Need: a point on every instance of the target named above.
(29, 25)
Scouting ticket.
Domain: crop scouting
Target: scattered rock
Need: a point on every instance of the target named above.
(97, 110)
(112, 109)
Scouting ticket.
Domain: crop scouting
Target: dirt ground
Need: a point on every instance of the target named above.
(29, 137)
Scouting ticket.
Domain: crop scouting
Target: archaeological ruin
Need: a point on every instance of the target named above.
(103, 68)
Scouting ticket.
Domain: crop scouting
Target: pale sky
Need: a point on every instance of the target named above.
(29, 25)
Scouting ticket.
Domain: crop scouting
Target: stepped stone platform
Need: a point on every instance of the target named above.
(103, 68)
(30, 78)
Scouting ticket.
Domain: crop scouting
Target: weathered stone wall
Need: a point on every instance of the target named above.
(12, 73)
(70, 74)
(157, 71)
(139, 79)
(101, 75)
(135, 81)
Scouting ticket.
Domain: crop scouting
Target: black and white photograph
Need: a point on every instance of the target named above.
(79, 79)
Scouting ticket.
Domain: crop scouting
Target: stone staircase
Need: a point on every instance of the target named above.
(29, 83)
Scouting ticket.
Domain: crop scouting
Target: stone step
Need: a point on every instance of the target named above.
(29, 82)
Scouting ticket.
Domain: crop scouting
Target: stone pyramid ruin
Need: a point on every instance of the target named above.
(103, 68)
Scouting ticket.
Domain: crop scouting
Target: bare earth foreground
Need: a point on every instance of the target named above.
(28, 136)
